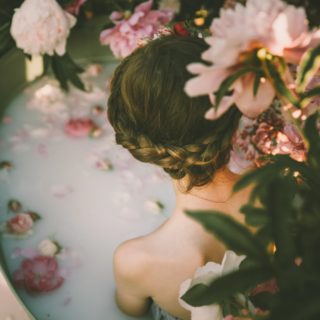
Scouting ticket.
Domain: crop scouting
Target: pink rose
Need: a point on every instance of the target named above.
(79, 127)
(129, 28)
(38, 275)
(74, 7)
(20, 224)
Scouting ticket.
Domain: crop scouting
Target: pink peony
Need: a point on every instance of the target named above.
(41, 27)
(274, 25)
(124, 37)
(79, 127)
(38, 275)
(74, 7)
(20, 224)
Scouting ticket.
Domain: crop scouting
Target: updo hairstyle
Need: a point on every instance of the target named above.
(158, 123)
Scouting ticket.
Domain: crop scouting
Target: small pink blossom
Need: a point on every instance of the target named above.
(6, 120)
(42, 150)
(38, 275)
(265, 138)
(144, 22)
(20, 224)
(298, 261)
(270, 286)
(66, 301)
(74, 7)
(79, 128)
(61, 190)
(290, 142)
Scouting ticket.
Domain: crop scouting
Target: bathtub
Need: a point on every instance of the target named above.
(88, 211)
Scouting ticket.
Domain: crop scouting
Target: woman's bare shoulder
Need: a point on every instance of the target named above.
(131, 259)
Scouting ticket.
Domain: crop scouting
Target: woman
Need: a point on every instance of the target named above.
(158, 123)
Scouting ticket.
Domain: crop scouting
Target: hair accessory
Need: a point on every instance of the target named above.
(180, 29)
(162, 32)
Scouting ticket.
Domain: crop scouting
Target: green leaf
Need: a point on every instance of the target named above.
(236, 236)
(255, 217)
(280, 85)
(228, 82)
(276, 167)
(309, 65)
(47, 62)
(312, 134)
(264, 300)
(257, 175)
(298, 308)
(306, 97)
(279, 205)
(6, 41)
(226, 286)
(248, 263)
(257, 82)
(66, 70)
(264, 235)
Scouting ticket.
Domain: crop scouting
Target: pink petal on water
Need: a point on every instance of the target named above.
(6, 120)
(61, 191)
(66, 301)
(42, 150)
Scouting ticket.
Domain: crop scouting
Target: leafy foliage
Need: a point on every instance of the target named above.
(6, 12)
(288, 219)
(65, 70)
(309, 66)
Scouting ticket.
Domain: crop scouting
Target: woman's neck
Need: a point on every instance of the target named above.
(216, 194)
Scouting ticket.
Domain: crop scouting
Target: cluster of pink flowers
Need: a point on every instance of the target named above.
(130, 27)
(38, 275)
(266, 135)
(279, 28)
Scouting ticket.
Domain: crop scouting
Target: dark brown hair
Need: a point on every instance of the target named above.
(157, 122)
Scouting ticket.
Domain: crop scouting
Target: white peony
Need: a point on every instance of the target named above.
(48, 248)
(205, 275)
(41, 27)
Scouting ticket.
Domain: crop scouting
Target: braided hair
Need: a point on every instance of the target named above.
(158, 123)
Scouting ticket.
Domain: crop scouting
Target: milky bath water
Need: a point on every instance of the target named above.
(90, 193)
